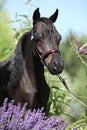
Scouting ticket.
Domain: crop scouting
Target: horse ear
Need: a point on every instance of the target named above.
(36, 15)
(54, 16)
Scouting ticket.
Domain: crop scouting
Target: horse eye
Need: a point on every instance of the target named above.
(37, 38)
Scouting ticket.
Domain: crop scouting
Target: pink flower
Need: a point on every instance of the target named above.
(80, 47)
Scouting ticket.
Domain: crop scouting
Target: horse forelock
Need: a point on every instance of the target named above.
(45, 20)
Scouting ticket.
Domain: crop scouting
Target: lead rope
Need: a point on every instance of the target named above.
(67, 88)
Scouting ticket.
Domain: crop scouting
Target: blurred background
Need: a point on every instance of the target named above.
(16, 18)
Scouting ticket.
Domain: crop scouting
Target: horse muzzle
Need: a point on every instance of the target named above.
(56, 66)
(52, 60)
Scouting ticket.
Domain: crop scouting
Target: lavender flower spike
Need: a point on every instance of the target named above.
(13, 117)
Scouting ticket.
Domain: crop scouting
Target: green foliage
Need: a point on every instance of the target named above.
(6, 35)
(57, 99)
(24, 26)
(76, 67)
(7, 41)
(80, 124)
(1, 4)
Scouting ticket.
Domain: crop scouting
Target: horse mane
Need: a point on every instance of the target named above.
(16, 64)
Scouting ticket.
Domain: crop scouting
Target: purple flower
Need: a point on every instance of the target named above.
(12, 117)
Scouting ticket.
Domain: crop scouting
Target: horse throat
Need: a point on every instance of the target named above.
(35, 68)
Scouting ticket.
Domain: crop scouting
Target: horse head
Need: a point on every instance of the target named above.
(46, 41)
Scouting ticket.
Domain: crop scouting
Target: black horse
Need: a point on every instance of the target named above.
(22, 75)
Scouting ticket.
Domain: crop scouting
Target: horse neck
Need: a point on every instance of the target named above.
(33, 64)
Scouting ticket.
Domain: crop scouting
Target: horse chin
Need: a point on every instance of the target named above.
(55, 72)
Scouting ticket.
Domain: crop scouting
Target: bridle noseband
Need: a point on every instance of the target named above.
(45, 55)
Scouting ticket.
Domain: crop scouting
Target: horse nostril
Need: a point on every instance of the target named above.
(58, 64)
(55, 64)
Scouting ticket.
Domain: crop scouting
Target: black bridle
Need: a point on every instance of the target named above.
(43, 56)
